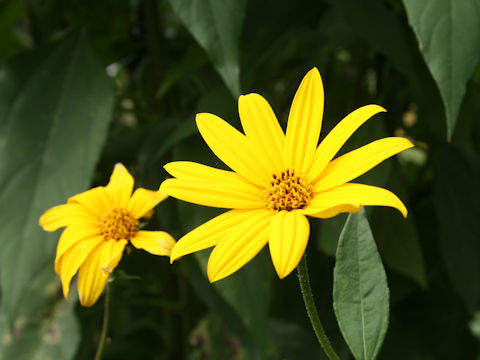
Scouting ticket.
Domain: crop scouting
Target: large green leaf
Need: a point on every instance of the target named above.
(457, 206)
(216, 25)
(447, 32)
(55, 106)
(400, 249)
(360, 290)
(46, 327)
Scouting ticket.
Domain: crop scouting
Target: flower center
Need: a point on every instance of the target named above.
(118, 224)
(288, 191)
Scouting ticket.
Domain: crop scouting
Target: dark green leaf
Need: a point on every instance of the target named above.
(55, 106)
(457, 206)
(46, 327)
(397, 237)
(360, 290)
(447, 32)
(399, 244)
(216, 25)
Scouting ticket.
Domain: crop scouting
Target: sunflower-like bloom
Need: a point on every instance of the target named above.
(99, 223)
(277, 181)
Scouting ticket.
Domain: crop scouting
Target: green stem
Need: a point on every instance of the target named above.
(106, 314)
(304, 280)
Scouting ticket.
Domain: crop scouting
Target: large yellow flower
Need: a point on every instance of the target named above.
(99, 223)
(278, 180)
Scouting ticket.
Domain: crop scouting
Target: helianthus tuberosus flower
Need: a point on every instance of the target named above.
(278, 179)
(99, 224)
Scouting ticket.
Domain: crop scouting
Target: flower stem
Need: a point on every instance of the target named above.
(106, 314)
(302, 272)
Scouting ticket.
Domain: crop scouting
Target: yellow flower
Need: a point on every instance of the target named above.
(99, 223)
(278, 180)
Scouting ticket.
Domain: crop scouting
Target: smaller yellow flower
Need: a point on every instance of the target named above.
(99, 223)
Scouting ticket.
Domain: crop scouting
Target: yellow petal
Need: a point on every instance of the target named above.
(95, 200)
(287, 240)
(209, 233)
(195, 172)
(208, 186)
(353, 196)
(334, 211)
(112, 251)
(71, 236)
(304, 122)
(120, 186)
(357, 162)
(233, 148)
(70, 261)
(239, 245)
(261, 126)
(91, 278)
(155, 242)
(335, 139)
(143, 201)
(236, 195)
(65, 215)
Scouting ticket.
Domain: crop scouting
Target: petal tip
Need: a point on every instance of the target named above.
(200, 118)
(164, 186)
(213, 277)
(214, 274)
(281, 275)
(174, 254)
(167, 166)
(65, 290)
(313, 72)
(161, 196)
(41, 222)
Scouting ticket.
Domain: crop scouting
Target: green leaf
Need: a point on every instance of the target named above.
(360, 291)
(447, 32)
(46, 327)
(216, 25)
(55, 106)
(400, 249)
(457, 207)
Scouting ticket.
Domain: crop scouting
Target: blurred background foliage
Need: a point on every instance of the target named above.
(86, 84)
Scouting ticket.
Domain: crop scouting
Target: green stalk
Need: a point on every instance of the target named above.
(304, 280)
(106, 315)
